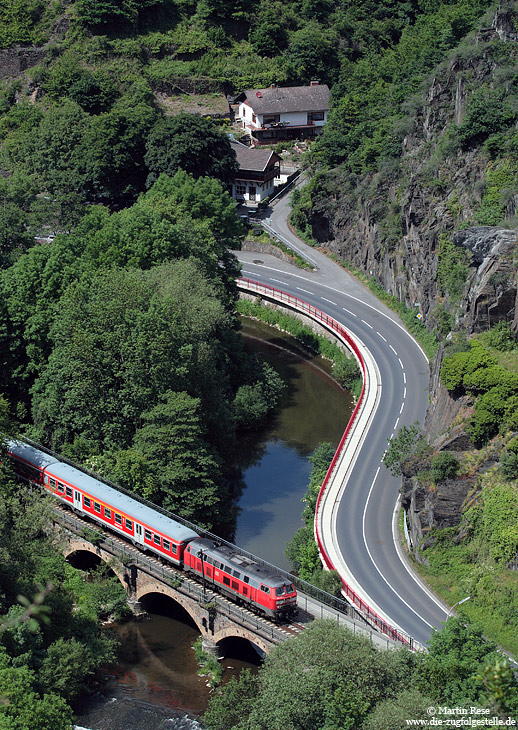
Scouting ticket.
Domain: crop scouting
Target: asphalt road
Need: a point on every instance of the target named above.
(365, 518)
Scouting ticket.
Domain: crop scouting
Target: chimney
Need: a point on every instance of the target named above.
(313, 83)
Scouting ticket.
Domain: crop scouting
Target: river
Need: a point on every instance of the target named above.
(155, 685)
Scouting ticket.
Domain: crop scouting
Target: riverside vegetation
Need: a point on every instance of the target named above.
(118, 336)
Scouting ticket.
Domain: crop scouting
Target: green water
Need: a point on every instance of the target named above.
(275, 462)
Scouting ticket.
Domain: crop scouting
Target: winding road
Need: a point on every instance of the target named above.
(365, 529)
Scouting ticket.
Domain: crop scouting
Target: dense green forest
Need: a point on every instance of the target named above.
(119, 341)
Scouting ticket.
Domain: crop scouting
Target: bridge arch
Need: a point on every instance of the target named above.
(77, 545)
(149, 585)
(233, 632)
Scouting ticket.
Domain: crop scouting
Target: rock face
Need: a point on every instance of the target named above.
(389, 224)
(14, 61)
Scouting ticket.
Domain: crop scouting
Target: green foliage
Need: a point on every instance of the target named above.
(444, 465)
(253, 402)
(500, 179)
(452, 269)
(488, 111)
(509, 465)
(406, 451)
(191, 143)
(324, 678)
(501, 337)
(17, 21)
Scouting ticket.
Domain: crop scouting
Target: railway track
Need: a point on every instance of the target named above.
(178, 579)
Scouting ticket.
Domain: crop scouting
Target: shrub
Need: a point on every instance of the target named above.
(501, 337)
(444, 466)
(509, 465)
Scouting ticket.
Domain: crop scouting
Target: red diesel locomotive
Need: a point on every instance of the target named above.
(222, 567)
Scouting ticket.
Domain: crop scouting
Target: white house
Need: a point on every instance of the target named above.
(284, 113)
(257, 172)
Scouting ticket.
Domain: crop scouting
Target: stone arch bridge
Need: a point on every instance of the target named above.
(215, 617)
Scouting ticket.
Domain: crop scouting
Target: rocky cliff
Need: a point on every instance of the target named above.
(389, 225)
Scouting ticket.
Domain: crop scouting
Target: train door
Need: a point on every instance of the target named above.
(77, 499)
(138, 533)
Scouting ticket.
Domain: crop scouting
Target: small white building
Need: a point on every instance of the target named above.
(284, 113)
(257, 172)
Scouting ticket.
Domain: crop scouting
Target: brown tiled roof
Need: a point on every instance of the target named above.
(285, 99)
(250, 158)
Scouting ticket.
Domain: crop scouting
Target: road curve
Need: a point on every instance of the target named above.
(364, 530)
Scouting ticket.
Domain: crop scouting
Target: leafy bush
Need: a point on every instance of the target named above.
(444, 466)
(509, 465)
(501, 337)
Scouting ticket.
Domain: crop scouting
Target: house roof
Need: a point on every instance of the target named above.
(285, 99)
(250, 158)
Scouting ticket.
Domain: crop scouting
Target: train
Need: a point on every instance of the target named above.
(220, 566)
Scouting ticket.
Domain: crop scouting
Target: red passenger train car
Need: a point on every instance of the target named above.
(224, 568)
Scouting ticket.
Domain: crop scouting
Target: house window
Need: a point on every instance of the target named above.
(107, 513)
(251, 192)
(271, 118)
(240, 189)
(254, 118)
(315, 117)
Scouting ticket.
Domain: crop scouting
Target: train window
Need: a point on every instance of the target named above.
(174, 549)
(107, 513)
(68, 492)
(279, 591)
(245, 591)
(129, 524)
(210, 560)
(156, 539)
(208, 570)
(147, 534)
(236, 574)
(265, 589)
(246, 579)
(61, 487)
(226, 580)
(97, 507)
(86, 501)
(235, 585)
(118, 519)
(52, 483)
(290, 588)
(167, 545)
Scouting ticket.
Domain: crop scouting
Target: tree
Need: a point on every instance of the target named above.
(325, 678)
(404, 449)
(192, 143)
(185, 467)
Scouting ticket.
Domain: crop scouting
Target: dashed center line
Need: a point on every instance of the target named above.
(379, 333)
(402, 366)
(404, 377)
(349, 312)
(401, 409)
(278, 281)
(404, 393)
(395, 353)
(299, 288)
(368, 325)
(328, 301)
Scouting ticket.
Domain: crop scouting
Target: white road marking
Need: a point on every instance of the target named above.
(402, 366)
(349, 312)
(391, 347)
(299, 288)
(379, 333)
(329, 301)
(401, 409)
(368, 325)
(404, 377)
(278, 281)
(372, 559)
(404, 393)
(395, 425)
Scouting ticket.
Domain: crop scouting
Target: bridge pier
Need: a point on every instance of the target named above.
(211, 648)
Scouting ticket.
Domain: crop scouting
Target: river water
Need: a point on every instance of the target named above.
(155, 686)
